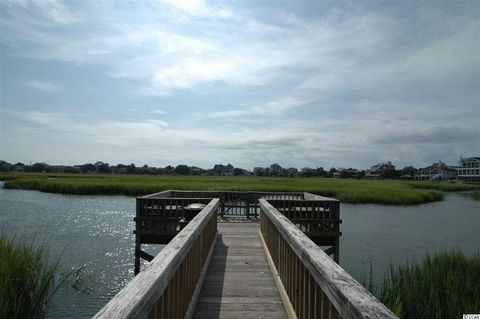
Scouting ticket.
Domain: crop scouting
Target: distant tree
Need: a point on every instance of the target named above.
(144, 169)
(389, 172)
(131, 169)
(40, 167)
(103, 168)
(182, 170)
(320, 171)
(408, 170)
(20, 167)
(218, 169)
(169, 169)
(88, 168)
(5, 166)
(275, 170)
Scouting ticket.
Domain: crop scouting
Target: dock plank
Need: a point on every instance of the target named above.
(239, 283)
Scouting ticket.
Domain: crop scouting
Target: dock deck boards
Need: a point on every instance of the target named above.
(239, 283)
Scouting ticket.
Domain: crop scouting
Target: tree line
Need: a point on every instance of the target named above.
(218, 170)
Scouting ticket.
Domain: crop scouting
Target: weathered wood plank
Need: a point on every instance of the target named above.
(239, 283)
(240, 300)
(240, 315)
(238, 306)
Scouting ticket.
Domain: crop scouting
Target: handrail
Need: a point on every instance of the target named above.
(170, 284)
(316, 286)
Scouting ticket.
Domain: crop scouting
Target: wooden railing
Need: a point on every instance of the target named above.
(170, 284)
(157, 221)
(235, 203)
(316, 216)
(312, 285)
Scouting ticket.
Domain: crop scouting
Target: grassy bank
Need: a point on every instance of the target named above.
(26, 279)
(444, 187)
(390, 192)
(444, 286)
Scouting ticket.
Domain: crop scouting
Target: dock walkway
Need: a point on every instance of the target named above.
(244, 255)
(239, 283)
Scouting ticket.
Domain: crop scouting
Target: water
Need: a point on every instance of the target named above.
(90, 231)
(380, 235)
(96, 231)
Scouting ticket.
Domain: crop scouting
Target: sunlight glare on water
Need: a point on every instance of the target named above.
(91, 231)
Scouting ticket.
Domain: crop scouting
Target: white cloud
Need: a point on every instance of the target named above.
(269, 109)
(198, 8)
(158, 112)
(43, 13)
(42, 86)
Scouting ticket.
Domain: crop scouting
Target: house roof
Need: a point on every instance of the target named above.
(440, 166)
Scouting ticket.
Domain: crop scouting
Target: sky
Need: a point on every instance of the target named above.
(251, 83)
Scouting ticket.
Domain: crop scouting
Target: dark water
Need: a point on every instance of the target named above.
(96, 231)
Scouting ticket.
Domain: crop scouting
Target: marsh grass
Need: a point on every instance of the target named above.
(27, 279)
(445, 285)
(389, 192)
(445, 187)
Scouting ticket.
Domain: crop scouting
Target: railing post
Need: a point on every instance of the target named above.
(336, 255)
(137, 240)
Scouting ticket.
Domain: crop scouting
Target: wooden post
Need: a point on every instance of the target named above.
(137, 241)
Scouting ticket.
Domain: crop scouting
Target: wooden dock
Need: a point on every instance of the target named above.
(265, 262)
(239, 283)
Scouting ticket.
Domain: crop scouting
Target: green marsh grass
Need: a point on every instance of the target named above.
(445, 187)
(27, 279)
(445, 285)
(389, 192)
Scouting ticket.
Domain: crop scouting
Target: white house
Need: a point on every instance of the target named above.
(437, 171)
(469, 169)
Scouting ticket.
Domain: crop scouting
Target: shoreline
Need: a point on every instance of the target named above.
(353, 191)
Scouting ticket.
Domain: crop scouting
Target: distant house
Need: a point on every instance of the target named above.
(347, 173)
(437, 171)
(376, 170)
(469, 169)
(260, 171)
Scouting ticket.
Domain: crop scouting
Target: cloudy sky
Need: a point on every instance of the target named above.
(323, 83)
